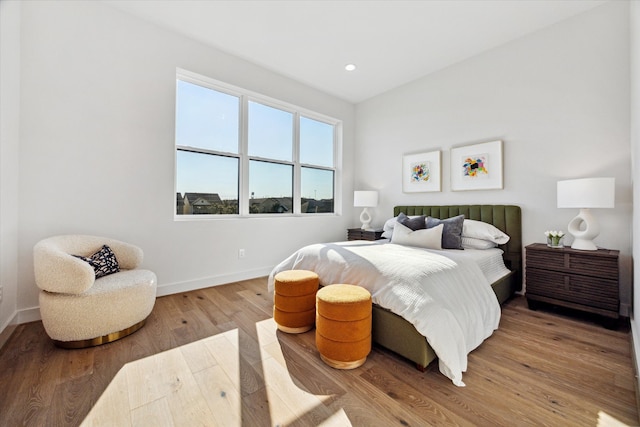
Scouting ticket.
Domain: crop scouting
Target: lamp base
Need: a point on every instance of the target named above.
(584, 228)
(365, 219)
(584, 245)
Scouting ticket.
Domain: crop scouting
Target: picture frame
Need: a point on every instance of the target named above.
(421, 172)
(477, 167)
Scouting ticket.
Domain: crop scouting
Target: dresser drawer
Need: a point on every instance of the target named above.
(360, 234)
(579, 289)
(582, 263)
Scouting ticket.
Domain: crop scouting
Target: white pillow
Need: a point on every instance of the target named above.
(387, 228)
(430, 238)
(483, 231)
(473, 243)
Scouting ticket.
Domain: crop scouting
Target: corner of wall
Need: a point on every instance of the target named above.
(10, 30)
(634, 54)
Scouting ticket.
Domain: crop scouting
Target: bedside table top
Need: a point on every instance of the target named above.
(567, 249)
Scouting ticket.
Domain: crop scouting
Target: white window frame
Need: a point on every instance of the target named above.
(245, 96)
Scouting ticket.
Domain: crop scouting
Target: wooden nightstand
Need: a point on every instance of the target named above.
(360, 234)
(581, 280)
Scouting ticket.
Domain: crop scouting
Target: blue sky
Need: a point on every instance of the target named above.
(208, 119)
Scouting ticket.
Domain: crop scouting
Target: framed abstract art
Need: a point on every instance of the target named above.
(477, 167)
(421, 172)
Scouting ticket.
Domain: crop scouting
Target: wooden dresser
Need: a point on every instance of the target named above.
(581, 280)
(360, 234)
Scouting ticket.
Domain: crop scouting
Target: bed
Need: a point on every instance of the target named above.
(395, 332)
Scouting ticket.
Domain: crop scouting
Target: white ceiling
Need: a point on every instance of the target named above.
(391, 42)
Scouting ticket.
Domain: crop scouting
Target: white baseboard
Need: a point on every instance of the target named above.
(32, 314)
(10, 321)
(21, 316)
(7, 328)
(27, 315)
(206, 282)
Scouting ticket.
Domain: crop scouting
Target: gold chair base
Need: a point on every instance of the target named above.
(92, 342)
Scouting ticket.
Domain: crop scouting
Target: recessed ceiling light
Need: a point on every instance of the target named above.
(350, 67)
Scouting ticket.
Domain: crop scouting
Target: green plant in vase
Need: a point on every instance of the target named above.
(554, 238)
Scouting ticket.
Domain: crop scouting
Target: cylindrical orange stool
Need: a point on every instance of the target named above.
(294, 300)
(343, 325)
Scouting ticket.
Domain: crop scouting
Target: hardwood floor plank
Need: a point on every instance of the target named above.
(215, 357)
(34, 372)
(406, 395)
(221, 395)
(156, 413)
(256, 409)
(72, 400)
(197, 356)
(107, 410)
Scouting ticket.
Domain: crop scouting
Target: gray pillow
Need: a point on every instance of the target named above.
(452, 233)
(417, 223)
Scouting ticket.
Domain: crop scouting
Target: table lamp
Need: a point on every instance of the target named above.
(365, 199)
(585, 194)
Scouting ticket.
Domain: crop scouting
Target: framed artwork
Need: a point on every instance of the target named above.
(477, 167)
(421, 172)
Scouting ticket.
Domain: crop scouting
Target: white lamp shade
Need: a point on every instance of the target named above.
(587, 193)
(365, 199)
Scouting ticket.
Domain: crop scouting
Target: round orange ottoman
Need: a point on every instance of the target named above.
(294, 300)
(343, 325)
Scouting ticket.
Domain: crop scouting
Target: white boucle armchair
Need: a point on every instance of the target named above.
(79, 310)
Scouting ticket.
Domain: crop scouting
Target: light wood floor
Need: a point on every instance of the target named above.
(213, 357)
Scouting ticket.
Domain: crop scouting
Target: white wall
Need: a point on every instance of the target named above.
(635, 151)
(9, 136)
(97, 147)
(559, 99)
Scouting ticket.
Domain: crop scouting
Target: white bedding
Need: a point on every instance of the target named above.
(490, 261)
(444, 294)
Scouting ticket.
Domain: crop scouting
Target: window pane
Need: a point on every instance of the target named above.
(271, 187)
(270, 132)
(316, 142)
(317, 190)
(206, 184)
(206, 118)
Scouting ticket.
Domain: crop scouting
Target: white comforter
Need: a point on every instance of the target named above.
(445, 296)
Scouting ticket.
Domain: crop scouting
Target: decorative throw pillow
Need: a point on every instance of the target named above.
(414, 223)
(387, 229)
(424, 238)
(104, 261)
(452, 233)
(484, 231)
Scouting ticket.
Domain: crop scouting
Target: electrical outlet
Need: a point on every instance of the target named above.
(240, 253)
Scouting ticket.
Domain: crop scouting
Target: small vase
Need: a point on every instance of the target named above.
(555, 242)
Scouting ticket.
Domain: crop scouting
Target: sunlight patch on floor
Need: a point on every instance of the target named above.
(287, 402)
(199, 383)
(606, 420)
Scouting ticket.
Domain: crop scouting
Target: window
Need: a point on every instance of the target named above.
(240, 153)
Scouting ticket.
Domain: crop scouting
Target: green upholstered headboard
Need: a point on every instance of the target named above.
(505, 217)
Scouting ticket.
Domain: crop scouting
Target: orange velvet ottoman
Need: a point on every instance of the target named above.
(343, 325)
(294, 300)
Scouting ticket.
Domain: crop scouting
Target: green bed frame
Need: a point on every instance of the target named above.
(398, 335)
